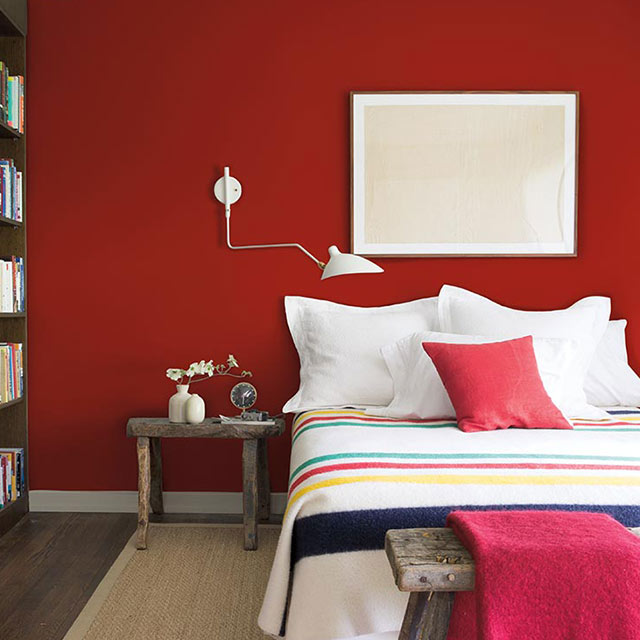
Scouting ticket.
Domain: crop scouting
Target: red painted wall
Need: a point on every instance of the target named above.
(134, 107)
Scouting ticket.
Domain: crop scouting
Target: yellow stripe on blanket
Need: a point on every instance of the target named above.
(465, 479)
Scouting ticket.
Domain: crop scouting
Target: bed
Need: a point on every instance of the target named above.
(354, 476)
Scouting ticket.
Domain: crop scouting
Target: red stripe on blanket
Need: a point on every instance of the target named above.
(345, 466)
(337, 416)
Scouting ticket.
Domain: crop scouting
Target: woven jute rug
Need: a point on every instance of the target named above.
(194, 582)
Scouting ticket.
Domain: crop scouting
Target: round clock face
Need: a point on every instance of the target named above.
(244, 395)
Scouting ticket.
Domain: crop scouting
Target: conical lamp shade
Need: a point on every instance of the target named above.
(341, 264)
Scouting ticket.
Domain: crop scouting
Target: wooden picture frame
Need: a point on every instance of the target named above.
(445, 174)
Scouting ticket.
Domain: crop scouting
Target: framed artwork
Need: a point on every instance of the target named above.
(464, 174)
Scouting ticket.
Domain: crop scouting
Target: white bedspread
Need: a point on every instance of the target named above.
(354, 476)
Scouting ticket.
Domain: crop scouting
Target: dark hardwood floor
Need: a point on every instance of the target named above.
(50, 564)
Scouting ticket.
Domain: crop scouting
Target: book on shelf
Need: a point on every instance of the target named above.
(4, 86)
(12, 485)
(11, 371)
(11, 98)
(19, 192)
(14, 105)
(12, 284)
(10, 190)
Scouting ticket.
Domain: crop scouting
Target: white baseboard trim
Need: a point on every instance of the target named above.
(127, 501)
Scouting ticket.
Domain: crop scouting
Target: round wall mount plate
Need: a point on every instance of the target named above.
(235, 190)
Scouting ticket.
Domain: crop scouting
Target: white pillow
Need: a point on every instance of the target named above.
(610, 380)
(339, 349)
(419, 392)
(462, 311)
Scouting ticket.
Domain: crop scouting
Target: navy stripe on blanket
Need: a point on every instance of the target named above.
(622, 412)
(365, 530)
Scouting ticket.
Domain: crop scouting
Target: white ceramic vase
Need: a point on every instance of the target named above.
(194, 409)
(178, 403)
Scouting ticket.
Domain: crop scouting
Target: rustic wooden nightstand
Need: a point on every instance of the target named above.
(255, 467)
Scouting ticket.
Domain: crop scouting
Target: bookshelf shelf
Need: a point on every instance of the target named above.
(9, 132)
(11, 403)
(13, 242)
(10, 222)
(13, 18)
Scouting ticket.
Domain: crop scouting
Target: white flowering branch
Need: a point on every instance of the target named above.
(206, 370)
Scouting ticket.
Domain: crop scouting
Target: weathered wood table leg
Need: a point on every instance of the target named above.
(144, 482)
(157, 505)
(250, 498)
(264, 484)
(427, 616)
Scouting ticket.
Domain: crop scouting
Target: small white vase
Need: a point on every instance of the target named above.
(178, 402)
(194, 409)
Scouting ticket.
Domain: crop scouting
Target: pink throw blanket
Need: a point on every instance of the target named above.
(547, 575)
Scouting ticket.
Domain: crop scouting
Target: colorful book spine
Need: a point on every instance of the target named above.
(12, 278)
(4, 497)
(19, 192)
(10, 107)
(5, 89)
(7, 476)
(6, 165)
(7, 368)
(11, 371)
(8, 190)
(3, 95)
(11, 478)
(12, 98)
(6, 277)
(11, 190)
(15, 102)
(22, 279)
(4, 180)
(21, 103)
(12, 481)
(14, 284)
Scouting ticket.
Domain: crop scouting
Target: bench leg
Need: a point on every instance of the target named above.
(157, 505)
(250, 497)
(427, 616)
(144, 482)
(264, 485)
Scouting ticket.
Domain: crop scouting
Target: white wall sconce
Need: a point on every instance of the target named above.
(228, 190)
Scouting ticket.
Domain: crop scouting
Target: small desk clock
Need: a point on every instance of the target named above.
(244, 395)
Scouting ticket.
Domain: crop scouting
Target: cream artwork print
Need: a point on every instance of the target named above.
(480, 174)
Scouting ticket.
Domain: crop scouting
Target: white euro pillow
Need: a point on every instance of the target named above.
(610, 380)
(419, 392)
(339, 349)
(462, 311)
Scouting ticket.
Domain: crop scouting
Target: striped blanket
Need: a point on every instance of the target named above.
(353, 476)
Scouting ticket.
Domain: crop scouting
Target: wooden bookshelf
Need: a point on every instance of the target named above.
(13, 241)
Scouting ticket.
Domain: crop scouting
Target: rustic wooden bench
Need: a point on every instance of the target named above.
(432, 564)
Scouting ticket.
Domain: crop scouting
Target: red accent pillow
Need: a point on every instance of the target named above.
(495, 385)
